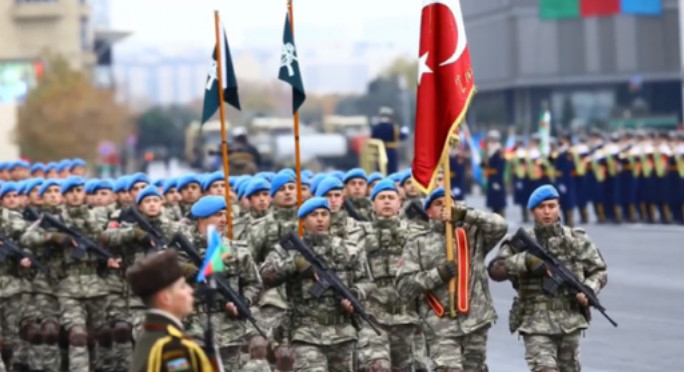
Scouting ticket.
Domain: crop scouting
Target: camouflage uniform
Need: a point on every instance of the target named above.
(15, 289)
(246, 222)
(322, 335)
(81, 292)
(263, 235)
(455, 343)
(172, 212)
(345, 227)
(47, 355)
(185, 208)
(125, 313)
(364, 206)
(384, 242)
(551, 326)
(241, 274)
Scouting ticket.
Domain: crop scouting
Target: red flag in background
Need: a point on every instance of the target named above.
(445, 86)
(599, 7)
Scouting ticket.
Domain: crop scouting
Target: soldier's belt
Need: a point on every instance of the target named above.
(82, 268)
(328, 319)
(547, 303)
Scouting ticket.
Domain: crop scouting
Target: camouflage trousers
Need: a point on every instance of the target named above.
(467, 353)
(558, 352)
(90, 313)
(137, 315)
(12, 314)
(419, 351)
(318, 358)
(271, 319)
(392, 347)
(46, 356)
(115, 356)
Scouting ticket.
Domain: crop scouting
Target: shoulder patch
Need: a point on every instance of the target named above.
(178, 365)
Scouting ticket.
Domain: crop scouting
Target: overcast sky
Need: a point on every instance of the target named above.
(191, 21)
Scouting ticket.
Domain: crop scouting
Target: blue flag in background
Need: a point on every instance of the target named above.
(642, 7)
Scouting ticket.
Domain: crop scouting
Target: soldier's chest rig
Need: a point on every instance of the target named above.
(384, 249)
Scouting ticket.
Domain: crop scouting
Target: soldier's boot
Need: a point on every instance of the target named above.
(284, 359)
(569, 218)
(51, 356)
(666, 218)
(122, 349)
(651, 213)
(618, 214)
(525, 215)
(632, 213)
(600, 213)
(78, 359)
(584, 215)
(643, 211)
(682, 221)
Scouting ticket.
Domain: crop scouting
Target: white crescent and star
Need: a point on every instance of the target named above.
(461, 44)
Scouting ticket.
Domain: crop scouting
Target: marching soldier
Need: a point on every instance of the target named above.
(172, 209)
(456, 343)
(629, 178)
(159, 282)
(390, 133)
(341, 224)
(494, 166)
(190, 189)
(355, 188)
(551, 325)
(520, 177)
(566, 176)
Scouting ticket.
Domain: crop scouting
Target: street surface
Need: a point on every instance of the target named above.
(645, 296)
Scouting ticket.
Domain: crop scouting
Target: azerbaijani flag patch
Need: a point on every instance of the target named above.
(177, 365)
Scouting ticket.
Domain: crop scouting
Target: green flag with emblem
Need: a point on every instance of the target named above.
(228, 80)
(289, 66)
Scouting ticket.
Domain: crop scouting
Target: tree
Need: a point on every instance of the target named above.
(164, 128)
(66, 116)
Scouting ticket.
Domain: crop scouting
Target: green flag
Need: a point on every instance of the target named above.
(555, 9)
(289, 67)
(230, 88)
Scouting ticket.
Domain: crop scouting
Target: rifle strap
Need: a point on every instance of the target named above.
(463, 276)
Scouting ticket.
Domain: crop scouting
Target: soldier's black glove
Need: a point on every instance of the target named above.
(303, 267)
(61, 239)
(141, 236)
(535, 265)
(447, 270)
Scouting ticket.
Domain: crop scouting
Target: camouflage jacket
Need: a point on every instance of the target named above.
(406, 203)
(543, 314)
(241, 274)
(184, 208)
(425, 253)
(364, 206)
(244, 223)
(172, 212)
(318, 321)
(383, 243)
(77, 278)
(345, 227)
(13, 278)
(101, 214)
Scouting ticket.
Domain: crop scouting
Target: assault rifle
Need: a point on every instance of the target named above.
(415, 211)
(156, 236)
(561, 276)
(228, 293)
(353, 212)
(83, 243)
(9, 249)
(327, 279)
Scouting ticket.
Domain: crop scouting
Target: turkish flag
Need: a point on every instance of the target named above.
(445, 86)
(599, 7)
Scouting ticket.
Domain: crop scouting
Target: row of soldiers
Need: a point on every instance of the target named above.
(80, 314)
(624, 177)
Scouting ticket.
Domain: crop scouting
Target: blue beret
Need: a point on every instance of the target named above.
(150, 190)
(542, 194)
(316, 180)
(307, 173)
(330, 183)
(384, 185)
(50, 166)
(306, 181)
(376, 176)
(435, 194)
(266, 175)
(37, 167)
(32, 184)
(136, 178)
(207, 206)
(71, 182)
(158, 183)
(211, 178)
(4, 165)
(103, 185)
(8, 187)
(232, 180)
(338, 174)
(255, 185)
(78, 162)
(19, 164)
(280, 180)
(404, 176)
(396, 177)
(241, 186)
(46, 185)
(355, 173)
(21, 187)
(287, 171)
(63, 165)
(120, 184)
(90, 185)
(186, 180)
(311, 205)
(168, 185)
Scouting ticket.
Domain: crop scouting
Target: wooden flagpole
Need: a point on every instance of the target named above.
(298, 160)
(448, 203)
(222, 115)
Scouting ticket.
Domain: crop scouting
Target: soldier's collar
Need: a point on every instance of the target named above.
(176, 322)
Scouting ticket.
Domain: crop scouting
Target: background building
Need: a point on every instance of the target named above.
(588, 69)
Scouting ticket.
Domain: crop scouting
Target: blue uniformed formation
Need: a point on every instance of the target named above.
(625, 177)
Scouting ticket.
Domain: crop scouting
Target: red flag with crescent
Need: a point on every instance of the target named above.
(445, 86)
